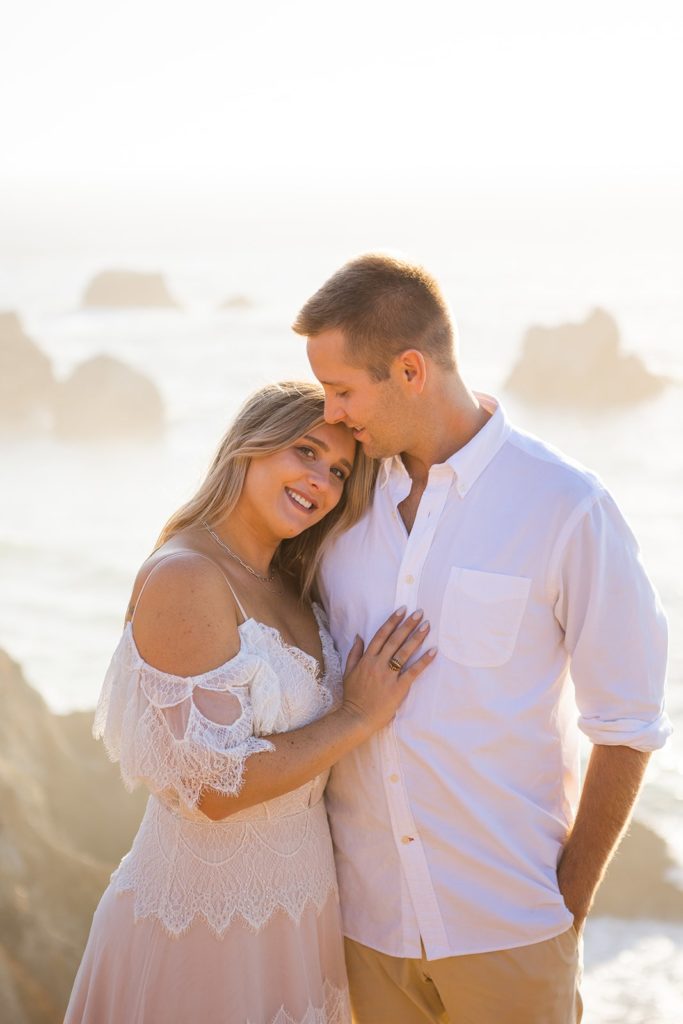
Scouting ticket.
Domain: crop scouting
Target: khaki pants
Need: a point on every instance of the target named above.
(537, 984)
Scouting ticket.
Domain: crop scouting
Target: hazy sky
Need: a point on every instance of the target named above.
(306, 91)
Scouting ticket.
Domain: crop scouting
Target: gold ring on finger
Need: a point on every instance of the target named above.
(395, 665)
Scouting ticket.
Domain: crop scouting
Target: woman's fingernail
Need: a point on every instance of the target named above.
(418, 614)
(401, 610)
(432, 651)
(424, 627)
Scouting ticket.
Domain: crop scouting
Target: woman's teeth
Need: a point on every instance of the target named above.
(299, 499)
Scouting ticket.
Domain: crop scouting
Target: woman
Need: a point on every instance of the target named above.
(224, 697)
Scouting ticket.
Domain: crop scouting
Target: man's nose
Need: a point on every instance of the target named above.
(333, 412)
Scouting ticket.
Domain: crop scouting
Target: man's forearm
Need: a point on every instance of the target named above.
(613, 779)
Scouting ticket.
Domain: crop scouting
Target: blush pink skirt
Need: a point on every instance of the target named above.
(135, 972)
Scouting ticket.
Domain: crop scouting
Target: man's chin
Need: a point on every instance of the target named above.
(375, 451)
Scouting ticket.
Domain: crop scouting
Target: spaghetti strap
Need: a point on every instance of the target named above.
(232, 591)
(174, 554)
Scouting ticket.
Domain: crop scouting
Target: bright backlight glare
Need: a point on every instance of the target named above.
(141, 92)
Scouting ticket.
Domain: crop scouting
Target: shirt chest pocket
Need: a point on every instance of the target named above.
(481, 616)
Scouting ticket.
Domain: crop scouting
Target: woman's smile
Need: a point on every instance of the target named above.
(300, 500)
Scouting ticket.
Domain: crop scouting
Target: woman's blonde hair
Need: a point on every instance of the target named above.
(270, 420)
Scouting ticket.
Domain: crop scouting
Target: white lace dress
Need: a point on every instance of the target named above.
(230, 922)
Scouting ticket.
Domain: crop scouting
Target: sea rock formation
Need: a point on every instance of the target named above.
(637, 883)
(65, 821)
(127, 288)
(104, 397)
(26, 379)
(237, 302)
(581, 365)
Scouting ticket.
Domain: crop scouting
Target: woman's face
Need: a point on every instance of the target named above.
(295, 488)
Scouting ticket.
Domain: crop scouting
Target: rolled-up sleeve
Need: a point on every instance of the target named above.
(615, 630)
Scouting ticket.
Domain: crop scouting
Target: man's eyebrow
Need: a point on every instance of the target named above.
(326, 448)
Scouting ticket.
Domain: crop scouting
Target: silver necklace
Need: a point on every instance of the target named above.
(233, 554)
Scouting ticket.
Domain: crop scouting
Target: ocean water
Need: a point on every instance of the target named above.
(78, 517)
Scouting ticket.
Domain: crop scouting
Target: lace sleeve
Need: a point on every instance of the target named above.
(176, 732)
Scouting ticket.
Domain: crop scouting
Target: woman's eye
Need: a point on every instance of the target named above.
(339, 473)
(305, 450)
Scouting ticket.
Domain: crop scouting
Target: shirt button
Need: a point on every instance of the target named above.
(393, 777)
(410, 578)
(407, 839)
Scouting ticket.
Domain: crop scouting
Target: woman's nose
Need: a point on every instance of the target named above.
(318, 478)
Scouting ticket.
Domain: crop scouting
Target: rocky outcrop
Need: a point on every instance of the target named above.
(637, 883)
(65, 821)
(116, 289)
(581, 365)
(26, 378)
(237, 303)
(104, 397)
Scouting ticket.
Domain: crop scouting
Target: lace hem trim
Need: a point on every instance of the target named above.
(175, 931)
(336, 1009)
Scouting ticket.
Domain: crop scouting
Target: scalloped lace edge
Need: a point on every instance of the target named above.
(336, 1009)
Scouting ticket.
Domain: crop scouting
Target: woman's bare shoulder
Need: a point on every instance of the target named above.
(184, 614)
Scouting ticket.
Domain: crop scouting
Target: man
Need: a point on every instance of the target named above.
(466, 870)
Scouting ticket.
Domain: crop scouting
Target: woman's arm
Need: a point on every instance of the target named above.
(186, 624)
(372, 695)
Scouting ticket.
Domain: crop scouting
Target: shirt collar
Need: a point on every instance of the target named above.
(470, 461)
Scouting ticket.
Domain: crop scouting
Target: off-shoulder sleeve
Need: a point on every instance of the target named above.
(176, 732)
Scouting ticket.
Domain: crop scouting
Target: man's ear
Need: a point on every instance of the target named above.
(412, 368)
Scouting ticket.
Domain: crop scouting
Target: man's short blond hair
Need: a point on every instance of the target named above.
(383, 305)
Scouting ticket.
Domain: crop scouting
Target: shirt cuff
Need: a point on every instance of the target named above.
(628, 732)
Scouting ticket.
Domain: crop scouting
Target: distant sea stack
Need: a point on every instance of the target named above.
(26, 379)
(125, 289)
(65, 821)
(104, 397)
(581, 365)
(237, 303)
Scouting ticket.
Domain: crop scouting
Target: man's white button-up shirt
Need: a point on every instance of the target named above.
(449, 823)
